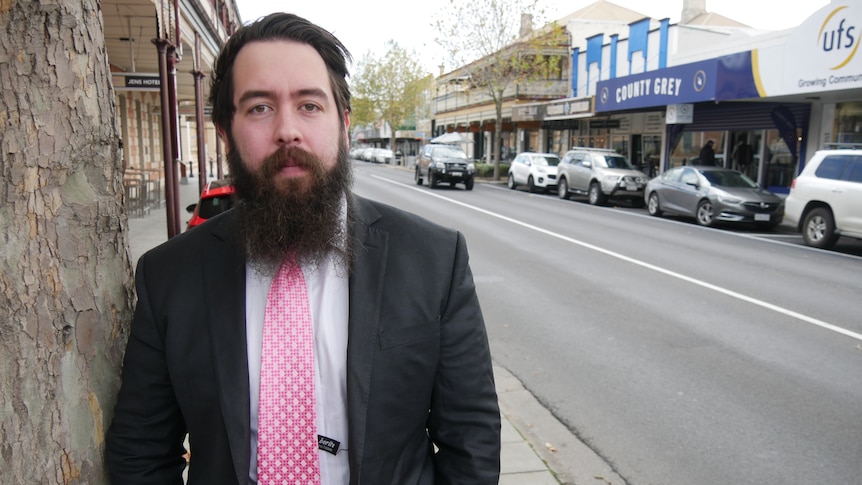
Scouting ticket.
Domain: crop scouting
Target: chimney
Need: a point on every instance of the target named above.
(692, 9)
(526, 24)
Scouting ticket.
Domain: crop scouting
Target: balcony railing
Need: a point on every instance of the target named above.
(534, 90)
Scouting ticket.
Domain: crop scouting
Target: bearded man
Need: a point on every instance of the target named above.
(297, 338)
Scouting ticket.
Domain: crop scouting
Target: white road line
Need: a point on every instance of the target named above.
(703, 284)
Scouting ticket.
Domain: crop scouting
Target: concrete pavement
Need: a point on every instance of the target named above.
(532, 438)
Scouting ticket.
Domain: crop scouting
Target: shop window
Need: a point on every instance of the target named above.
(848, 123)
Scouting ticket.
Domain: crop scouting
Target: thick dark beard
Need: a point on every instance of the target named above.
(298, 216)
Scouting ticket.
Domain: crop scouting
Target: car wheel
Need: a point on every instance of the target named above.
(511, 182)
(531, 184)
(468, 184)
(417, 176)
(654, 208)
(563, 189)
(818, 228)
(432, 180)
(595, 195)
(705, 213)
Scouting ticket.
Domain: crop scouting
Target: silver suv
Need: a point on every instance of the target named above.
(825, 199)
(600, 174)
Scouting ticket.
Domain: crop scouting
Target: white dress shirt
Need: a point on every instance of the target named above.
(328, 301)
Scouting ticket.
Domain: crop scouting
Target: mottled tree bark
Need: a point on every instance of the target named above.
(65, 274)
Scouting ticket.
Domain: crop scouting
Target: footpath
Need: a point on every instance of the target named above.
(537, 448)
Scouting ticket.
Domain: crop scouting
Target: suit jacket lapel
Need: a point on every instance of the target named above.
(366, 295)
(224, 277)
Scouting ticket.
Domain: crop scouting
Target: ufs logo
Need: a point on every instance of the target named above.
(838, 37)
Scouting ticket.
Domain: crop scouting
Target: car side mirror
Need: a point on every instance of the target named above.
(191, 208)
(588, 164)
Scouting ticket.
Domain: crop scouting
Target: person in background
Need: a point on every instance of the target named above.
(707, 154)
(743, 155)
(397, 371)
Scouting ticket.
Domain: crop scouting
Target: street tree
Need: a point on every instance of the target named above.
(391, 89)
(496, 49)
(66, 288)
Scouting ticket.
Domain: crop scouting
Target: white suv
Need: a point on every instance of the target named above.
(538, 171)
(825, 200)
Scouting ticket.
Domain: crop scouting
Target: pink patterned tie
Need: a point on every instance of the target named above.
(287, 428)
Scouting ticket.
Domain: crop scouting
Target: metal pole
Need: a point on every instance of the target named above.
(219, 157)
(199, 115)
(175, 135)
(167, 149)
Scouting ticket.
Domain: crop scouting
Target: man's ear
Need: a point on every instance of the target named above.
(224, 138)
(347, 126)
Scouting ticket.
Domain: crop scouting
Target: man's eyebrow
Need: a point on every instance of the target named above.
(260, 93)
(312, 92)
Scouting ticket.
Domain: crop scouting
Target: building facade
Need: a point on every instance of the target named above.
(160, 54)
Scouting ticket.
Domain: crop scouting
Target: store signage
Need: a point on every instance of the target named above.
(152, 82)
(567, 108)
(532, 112)
(822, 54)
(677, 114)
(722, 79)
(133, 81)
(604, 124)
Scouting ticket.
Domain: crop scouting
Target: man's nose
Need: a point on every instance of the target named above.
(287, 130)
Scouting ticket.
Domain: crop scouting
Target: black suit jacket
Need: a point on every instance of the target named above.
(419, 371)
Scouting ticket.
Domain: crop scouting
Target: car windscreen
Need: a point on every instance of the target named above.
(726, 178)
(546, 161)
(616, 161)
(448, 152)
(214, 206)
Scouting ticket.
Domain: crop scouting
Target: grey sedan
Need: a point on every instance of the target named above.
(712, 195)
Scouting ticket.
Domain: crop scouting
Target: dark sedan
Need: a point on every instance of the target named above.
(712, 195)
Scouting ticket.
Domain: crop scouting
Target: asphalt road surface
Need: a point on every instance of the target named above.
(680, 354)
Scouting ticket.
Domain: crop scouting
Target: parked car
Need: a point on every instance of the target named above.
(600, 174)
(712, 195)
(367, 154)
(444, 163)
(217, 197)
(825, 200)
(383, 155)
(538, 171)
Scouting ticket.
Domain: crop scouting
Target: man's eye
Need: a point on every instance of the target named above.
(260, 108)
(310, 107)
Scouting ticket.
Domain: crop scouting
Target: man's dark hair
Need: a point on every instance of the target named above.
(278, 26)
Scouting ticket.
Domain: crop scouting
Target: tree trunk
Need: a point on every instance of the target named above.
(498, 133)
(65, 272)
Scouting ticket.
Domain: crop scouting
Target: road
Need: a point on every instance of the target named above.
(679, 354)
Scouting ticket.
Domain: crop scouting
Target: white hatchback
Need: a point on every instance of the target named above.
(825, 200)
(538, 171)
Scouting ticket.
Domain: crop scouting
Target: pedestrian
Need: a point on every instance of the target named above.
(707, 154)
(387, 371)
(743, 155)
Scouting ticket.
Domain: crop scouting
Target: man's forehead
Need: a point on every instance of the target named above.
(279, 53)
(272, 63)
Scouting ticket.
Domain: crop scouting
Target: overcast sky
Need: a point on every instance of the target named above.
(366, 26)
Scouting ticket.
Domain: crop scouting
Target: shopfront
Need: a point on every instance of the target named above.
(789, 95)
(716, 100)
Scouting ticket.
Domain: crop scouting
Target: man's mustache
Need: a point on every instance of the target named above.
(290, 157)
